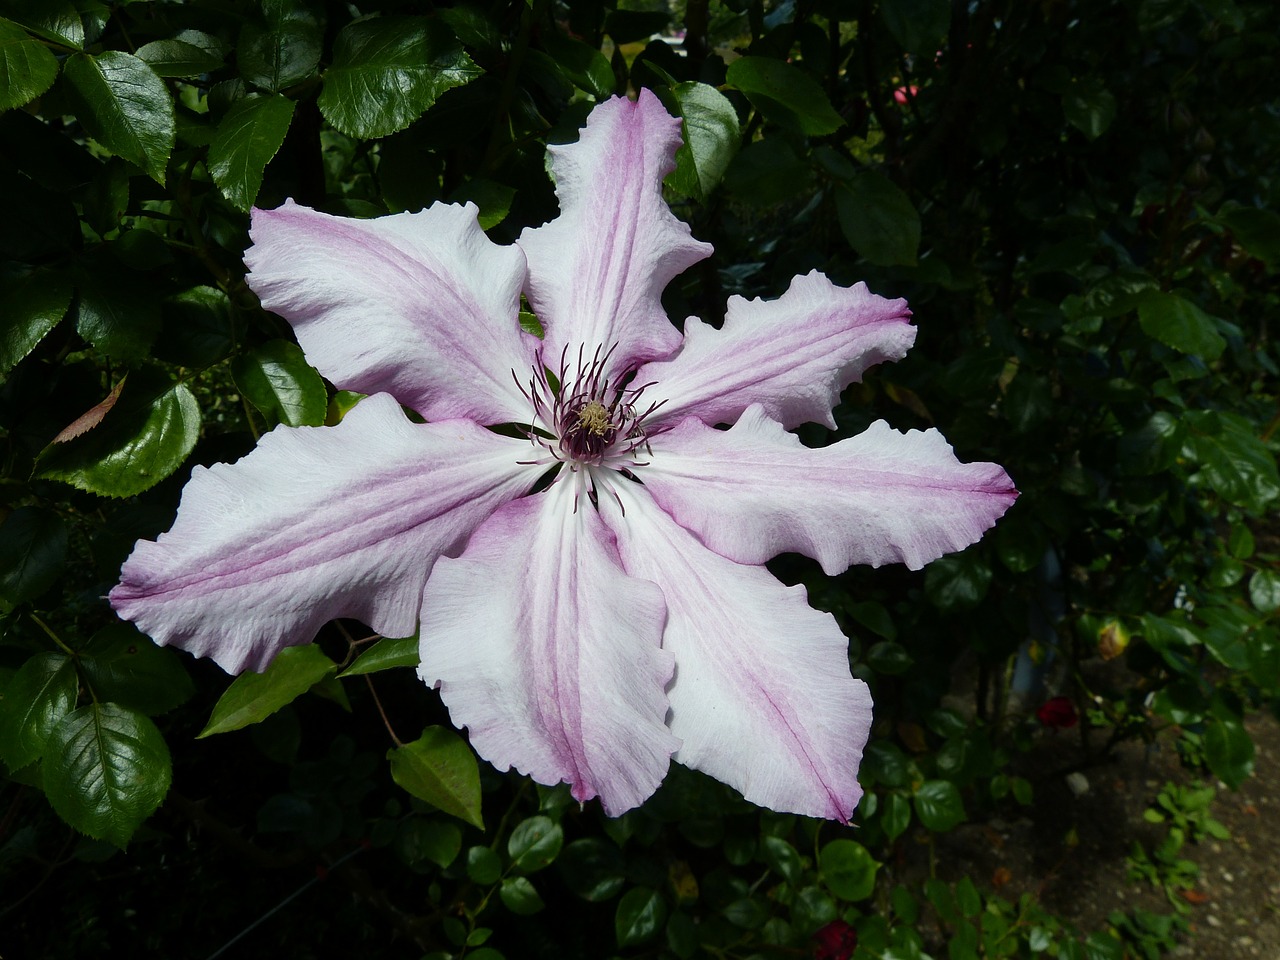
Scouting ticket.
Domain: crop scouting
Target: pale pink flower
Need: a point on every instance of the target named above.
(622, 616)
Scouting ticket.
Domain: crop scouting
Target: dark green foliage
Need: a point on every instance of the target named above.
(1077, 199)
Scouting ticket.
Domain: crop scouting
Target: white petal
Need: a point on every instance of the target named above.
(316, 523)
(793, 355)
(419, 305)
(762, 698)
(550, 654)
(755, 491)
(597, 271)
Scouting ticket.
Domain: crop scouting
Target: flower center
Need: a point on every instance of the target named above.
(592, 415)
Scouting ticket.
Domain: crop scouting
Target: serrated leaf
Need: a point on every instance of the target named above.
(279, 382)
(189, 54)
(386, 654)
(1237, 465)
(710, 138)
(144, 439)
(34, 701)
(919, 25)
(106, 769)
(767, 81)
(124, 666)
(281, 52)
(56, 20)
(33, 551)
(440, 768)
(388, 71)
(1178, 323)
(248, 137)
(878, 220)
(124, 106)
(1258, 231)
(255, 696)
(116, 312)
(27, 68)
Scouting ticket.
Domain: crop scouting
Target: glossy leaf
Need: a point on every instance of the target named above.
(767, 82)
(938, 805)
(33, 552)
(124, 106)
(895, 816)
(117, 312)
(1089, 107)
(145, 438)
(535, 843)
(248, 137)
(423, 838)
(640, 915)
(189, 54)
(56, 20)
(196, 330)
(957, 582)
(1264, 591)
(279, 382)
(34, 701)
(848, 870)
(440, 768)
(255, 696)
(281, 51)
(106, 769)
(519, 896)
(710, 137)
(1229, 750)
(124, 666)
(1236, 464)
(493, 199)
(388, 71)
(1177, 322)
(583, 64)
(878, 220)
(386, 654)
(27, 68)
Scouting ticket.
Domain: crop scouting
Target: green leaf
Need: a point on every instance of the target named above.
(938, 805)
(34, 701)
(281, 51)
(919, 25)
(1089, 107)
(254, 696)
(535, 843)
(878, 220)
(896, 816)
(423, 838)
(145, 438)
(1178, 323)
(441, 769)
(586, 66)
(592, 868)
(782, 858)
(388, 71)
(33, 552)
(1258, 231)
(196, 328)
(889, 658)
(957, 582)
(386, 654)
(1228, 750)
(279, 382)
(248, 137)
(767, 82)
(1236, 464)
(126, 667)
(30, 307)
(848, 870)
(56, 20)
(483, 866)
(124, 106)
(493, 200)
(189, 54)
(27, 68)
(710, 138)
(1264, 591)
(117, 313)
(519, 896)
(640, 915)
(106, 769)
(1153, 447)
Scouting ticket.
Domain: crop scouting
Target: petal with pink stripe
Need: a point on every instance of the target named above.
(793, 355)
(762, 699)
(597, 271)
(422, 306)
(549, 653)
(754, 491)
(316, 523)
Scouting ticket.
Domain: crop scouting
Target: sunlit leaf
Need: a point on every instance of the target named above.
(440, 768)
(255, 696)
(248, 137)
(124, 106)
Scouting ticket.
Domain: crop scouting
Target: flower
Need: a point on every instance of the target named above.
(589, 630)
(1058, 713)
(835, 941)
